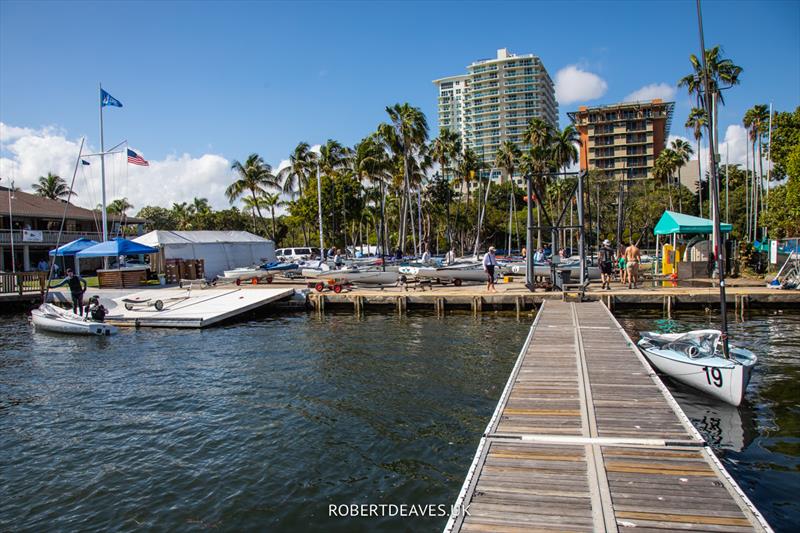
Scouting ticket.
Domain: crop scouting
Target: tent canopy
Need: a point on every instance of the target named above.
(72, 248)
(115, 248)
(672, 223)
(162, 237)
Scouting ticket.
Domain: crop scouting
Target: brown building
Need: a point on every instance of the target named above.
(624, 139)
(36, 223)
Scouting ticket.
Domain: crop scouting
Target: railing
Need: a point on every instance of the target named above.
(49, 237)
(22, 282)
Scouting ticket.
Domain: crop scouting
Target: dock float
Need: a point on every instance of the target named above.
(187, 308)
(586, 437)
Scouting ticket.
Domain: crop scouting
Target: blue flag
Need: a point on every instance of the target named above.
(85, 162)
(108, 100)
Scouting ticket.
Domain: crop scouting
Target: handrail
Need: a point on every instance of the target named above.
(22, 282)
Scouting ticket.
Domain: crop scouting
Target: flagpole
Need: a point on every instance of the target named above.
(103, 168)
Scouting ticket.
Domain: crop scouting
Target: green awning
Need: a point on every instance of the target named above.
(672, 223)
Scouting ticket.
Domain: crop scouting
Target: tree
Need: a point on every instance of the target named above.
(302, 163)
(255, 177)
(157, 218)
(409, 129)
(52, 186)
(563, 149)
(539, 136)
(697, 121)
(201, 206)
(681, 153)
(119, 206)
(785, 139)
(182, 214)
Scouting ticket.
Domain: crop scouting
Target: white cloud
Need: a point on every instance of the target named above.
(29, 153)
(576, 85)
(733, 147)
(649, 92)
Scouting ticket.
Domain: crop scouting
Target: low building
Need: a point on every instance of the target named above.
(219, 250)
(36, 222)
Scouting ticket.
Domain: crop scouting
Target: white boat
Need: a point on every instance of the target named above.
(695, 358)
(353, 275)
(244, 273)
(455, 274)
(48, 317)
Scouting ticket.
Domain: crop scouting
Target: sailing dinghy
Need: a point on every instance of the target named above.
(695, 358)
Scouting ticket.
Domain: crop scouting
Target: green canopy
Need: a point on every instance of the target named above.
(672, 223)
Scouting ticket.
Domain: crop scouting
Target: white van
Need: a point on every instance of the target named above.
(296, 254)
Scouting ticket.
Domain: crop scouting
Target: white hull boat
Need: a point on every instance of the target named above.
(455, 274)
(695, 359)
(48, 317)
(353, 275)
(244, 273)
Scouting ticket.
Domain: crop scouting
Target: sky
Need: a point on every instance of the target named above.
(207, 83)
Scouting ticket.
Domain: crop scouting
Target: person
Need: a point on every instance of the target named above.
(96, 310)
(633, 256)
(42, 266)
(426, 256)
(338, 260)
(398, 253)
(538, 256)
(489, 262)
(623, 273)
(77, 286)
(450, 257)
(562, 254)
(524, 253)
(606, 256)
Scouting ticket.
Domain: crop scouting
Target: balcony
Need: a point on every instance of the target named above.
(49, 238)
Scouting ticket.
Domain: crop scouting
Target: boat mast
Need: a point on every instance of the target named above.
(103, 168)
(319, 211)
(708, 97)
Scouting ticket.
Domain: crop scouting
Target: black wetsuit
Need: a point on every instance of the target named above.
(77, 286)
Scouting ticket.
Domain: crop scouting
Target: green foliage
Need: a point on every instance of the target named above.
(158, 218)
(52, 186)
(785, 143)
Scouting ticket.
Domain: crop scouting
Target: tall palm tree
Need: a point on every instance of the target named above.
(539, 136)
(267, 201)
(254, 177)
(371, 163)
(663, 169)
(681, 153)
(183, 213)
(52, 186)
(410, 134)
(697, 121)
(564, 149)
(201, 206)
(118, 206)
(756, 120)
(507, 158)
(302, 163)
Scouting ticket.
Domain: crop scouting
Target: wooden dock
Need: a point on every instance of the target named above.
(586, 437)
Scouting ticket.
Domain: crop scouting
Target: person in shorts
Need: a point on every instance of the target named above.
(633, 256)
(489, 264)
(606, 258)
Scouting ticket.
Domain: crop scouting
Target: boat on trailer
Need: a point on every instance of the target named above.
(48, 317)
(695, 358)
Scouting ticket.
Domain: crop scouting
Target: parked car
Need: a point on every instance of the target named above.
(296, 254)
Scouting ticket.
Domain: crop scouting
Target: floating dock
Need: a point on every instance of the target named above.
(184, 308)
(586, 437)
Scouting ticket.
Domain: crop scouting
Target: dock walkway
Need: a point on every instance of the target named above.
(586, 437)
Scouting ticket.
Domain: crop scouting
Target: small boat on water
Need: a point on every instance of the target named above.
(48, 317)
(696, 359)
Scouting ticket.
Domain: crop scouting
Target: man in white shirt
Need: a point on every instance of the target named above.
(426, 256)
(489, 263)
(450, 257)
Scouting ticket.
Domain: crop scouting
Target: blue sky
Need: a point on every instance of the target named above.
(231, 78)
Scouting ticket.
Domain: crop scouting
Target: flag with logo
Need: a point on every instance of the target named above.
(108, 100)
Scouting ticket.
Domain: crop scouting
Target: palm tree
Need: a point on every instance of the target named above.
(201, 206)
(507, 157)
(52, 186)
(756, 120)
(539, 136)
(410, 129)
(302, 162)
(267, 201)
(119, 206)
(663, 169)
(563, 150)
(445, 150)
(697, 121)
(255, 177)
(183, 213)
(371, 163)
(681, 153)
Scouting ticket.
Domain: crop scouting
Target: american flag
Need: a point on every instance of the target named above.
(136, 159)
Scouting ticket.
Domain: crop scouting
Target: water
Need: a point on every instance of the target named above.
(759, 442)
(255, 426)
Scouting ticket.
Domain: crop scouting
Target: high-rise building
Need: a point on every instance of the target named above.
(494, 102)
(624, 139)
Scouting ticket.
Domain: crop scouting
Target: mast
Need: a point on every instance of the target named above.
(103, 168)
(319, 210)
(708, 97)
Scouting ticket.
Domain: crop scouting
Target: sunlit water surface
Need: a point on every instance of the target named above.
(259, 425)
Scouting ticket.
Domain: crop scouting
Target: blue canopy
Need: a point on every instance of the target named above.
(72, 248)
(115, 248)
(672, 222)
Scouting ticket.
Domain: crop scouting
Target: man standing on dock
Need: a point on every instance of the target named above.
(606, 254)
(489, 262)
(633, 256)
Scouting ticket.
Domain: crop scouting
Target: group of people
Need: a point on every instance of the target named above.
(627, 260)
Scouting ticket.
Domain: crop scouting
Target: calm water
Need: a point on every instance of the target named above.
(759, 442)
(255, 426)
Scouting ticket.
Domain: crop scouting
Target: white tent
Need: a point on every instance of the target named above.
(220, 250)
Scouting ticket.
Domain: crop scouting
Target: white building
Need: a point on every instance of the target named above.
(495, 100)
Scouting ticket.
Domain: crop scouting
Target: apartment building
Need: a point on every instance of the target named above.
(623, 139)
(494, 101)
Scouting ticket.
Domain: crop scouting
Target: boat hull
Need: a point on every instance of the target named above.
(445, 274)
(53, 319)
(723, 379)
